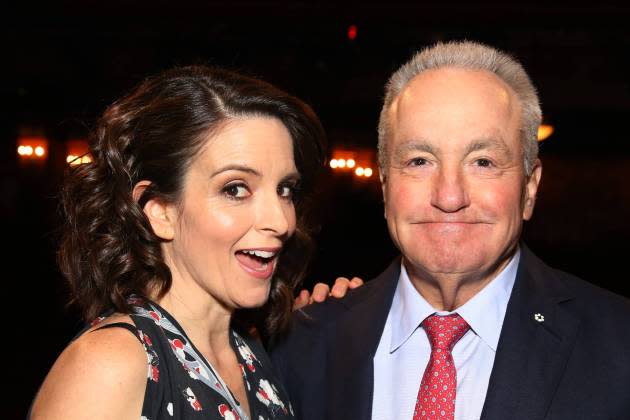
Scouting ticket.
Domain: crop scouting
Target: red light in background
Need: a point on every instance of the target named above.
(352, 32)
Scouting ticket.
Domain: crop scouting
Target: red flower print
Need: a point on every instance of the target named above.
(177, 344)
(155, 374)
(155, 316)
(228, 413)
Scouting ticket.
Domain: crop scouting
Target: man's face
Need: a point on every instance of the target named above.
(455, 188)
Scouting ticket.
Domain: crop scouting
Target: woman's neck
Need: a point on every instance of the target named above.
(205, 321)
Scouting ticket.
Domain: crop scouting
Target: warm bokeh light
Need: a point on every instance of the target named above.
(32, 147)
(350, 160)
(367, 172)
(74, 160)
(77, 152)
(544, 131)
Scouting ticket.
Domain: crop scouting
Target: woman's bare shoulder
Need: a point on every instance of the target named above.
(100, 375)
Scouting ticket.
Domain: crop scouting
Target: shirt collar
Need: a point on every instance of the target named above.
(484, 312)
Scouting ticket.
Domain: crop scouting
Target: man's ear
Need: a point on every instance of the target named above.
(531, 188)
(383, 177)
(159, 213)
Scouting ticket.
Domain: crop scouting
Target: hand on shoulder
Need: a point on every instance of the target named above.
(321, 291)
(101, 375)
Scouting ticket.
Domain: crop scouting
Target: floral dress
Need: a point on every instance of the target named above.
(181, 384)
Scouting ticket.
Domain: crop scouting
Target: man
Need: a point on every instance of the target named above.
(468, 323)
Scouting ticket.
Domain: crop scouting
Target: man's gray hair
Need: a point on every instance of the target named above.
(473, 56)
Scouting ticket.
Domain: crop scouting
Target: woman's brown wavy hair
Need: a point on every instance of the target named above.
(108, 249)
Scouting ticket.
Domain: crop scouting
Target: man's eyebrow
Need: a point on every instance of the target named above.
(411, 146)
(489, 143)
(235, 167)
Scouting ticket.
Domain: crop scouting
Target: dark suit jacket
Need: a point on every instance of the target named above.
(574, 365)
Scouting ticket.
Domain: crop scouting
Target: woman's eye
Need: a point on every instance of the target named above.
(236, 191)
(289, 191)
(286, 191)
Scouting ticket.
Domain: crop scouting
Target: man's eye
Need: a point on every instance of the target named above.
(236, 191)
(484, 163)
(417, 162)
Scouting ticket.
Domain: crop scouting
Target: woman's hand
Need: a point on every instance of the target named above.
(321, 291)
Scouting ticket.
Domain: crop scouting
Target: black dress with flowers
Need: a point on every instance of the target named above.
(181, 384)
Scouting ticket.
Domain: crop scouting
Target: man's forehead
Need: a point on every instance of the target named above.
(453, 85)
(455, 102)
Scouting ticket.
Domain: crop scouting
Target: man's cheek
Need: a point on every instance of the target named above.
(404, 196)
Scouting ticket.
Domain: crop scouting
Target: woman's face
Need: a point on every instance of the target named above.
(236, 212)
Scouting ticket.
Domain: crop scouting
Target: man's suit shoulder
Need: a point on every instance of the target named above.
(570, 291)
(593, 301)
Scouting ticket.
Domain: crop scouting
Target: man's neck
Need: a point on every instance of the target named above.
(449, 291)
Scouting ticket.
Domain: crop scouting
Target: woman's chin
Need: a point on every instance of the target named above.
(252, 301)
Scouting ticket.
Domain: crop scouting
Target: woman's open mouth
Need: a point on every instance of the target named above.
(259, 263)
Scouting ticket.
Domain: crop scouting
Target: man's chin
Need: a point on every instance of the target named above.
(445, 264)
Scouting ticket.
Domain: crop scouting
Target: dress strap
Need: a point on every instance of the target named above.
(124, 325)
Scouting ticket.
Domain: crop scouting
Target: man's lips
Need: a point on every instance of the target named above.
(450, 226)
(450, 222)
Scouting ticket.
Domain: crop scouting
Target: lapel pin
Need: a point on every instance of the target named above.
(539, 317)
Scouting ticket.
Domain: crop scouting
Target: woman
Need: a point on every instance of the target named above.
(183, 224)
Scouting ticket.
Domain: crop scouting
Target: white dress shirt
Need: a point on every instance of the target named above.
(404, 350)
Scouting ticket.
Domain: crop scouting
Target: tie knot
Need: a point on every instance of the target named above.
(445, 331)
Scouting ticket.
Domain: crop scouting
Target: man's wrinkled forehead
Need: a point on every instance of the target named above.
(462, 93)
(442, 85)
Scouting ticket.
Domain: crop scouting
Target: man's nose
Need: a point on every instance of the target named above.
(450, 192)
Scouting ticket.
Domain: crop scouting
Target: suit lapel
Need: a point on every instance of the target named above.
(357, 334)
(536, 340)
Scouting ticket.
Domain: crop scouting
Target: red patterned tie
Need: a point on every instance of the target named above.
(436, 397)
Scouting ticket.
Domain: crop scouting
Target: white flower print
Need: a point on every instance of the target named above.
(267, 394)
(194, 402)
(247, 355)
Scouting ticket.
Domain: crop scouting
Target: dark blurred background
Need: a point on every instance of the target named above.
(64, 62)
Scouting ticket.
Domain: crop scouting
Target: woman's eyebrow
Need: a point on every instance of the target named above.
(236, 167)
(293, 176)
